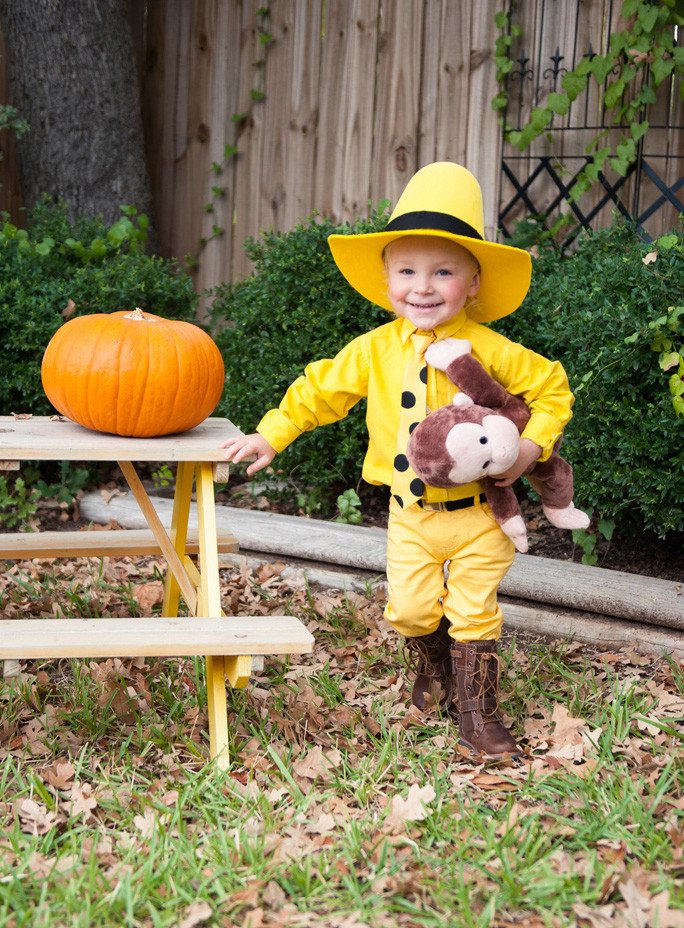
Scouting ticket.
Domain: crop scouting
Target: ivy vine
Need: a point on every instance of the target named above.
(647, 49)
(238, 121)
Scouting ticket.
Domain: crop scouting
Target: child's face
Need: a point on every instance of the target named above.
(429, 279)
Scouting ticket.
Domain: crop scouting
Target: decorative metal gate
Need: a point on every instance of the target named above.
(556, 34)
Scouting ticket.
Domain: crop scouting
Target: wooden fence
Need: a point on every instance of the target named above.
(357, 95)
(347, 100)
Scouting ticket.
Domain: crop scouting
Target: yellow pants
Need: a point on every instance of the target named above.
(419, 543)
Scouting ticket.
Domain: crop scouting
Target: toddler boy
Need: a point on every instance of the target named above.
(434, 270)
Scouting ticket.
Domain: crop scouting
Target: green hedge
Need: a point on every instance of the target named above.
(598, 310)
(100, 269)
(295, 308)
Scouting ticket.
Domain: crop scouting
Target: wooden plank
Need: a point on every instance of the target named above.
(31, 639)
(251, 137)
(175, 103)
(115, 543)
(347, 92)
(483, 145)
(290, 114)
(395, 145)
(431, 66)
(597, 630)
(219, 103)
(42, 438)
(444, 92)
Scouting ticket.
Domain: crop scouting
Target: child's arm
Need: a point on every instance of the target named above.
(237, 449)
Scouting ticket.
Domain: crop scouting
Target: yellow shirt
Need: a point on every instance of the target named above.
(373, 364)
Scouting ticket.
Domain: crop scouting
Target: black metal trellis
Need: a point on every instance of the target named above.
(538, 185)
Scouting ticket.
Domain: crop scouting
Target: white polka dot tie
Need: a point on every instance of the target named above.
(407, 488)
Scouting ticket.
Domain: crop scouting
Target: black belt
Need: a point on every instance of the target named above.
(451, 504)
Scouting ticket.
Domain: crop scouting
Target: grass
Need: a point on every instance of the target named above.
(342, 807)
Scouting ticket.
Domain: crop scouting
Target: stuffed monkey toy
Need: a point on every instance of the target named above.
(476, 438)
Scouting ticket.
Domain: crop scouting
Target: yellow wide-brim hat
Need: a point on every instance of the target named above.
(444, 200)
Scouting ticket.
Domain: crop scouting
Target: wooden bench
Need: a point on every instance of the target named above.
(238, 641)
(114, 543)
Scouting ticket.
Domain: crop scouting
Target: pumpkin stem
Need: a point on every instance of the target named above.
(136, 314)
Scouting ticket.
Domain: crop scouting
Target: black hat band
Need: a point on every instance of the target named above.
(425, 219)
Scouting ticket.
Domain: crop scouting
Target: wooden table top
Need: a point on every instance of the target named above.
(47, 438)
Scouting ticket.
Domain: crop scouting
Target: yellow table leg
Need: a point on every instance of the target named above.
(179, 531)
(209, 604)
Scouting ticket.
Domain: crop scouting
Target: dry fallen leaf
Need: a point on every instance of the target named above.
(35, 818)
(82, 801)
(148, 595)
(195, 914)
(69, 309)
(413, 808)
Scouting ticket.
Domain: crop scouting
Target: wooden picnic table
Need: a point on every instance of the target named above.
(232, 645)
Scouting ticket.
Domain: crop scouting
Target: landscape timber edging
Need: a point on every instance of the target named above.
(591, 603)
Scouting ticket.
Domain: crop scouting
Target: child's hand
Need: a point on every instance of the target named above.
(529, 453)
(255, 445)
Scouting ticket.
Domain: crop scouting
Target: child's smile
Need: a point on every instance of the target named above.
(430, 279)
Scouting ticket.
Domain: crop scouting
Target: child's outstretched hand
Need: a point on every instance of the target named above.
(245, 446)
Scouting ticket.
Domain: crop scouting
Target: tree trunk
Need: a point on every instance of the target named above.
(73, 77)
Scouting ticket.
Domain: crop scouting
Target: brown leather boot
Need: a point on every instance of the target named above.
(430, 656)
(476, 668)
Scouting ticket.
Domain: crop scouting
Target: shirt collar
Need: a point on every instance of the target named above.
(447, 329)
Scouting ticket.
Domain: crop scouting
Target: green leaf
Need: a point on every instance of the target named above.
(540, 118)
(676, 385)
(668, 360)
(626, 149)
(601, 67)
(606, 527)
(573, 84)
(647, 16)
(638, 129)
(558, 103)
(257, 94)
(660, 69)
(501, 20)
(614, 92)
(629, 8)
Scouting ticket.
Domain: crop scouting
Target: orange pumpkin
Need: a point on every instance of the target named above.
(132, 373)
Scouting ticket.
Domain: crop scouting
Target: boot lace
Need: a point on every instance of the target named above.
(426, 653)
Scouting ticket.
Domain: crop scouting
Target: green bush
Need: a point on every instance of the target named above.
(602, 311)
(99, 269)
(294, 309)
